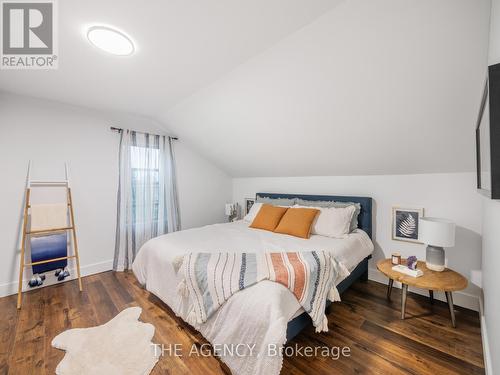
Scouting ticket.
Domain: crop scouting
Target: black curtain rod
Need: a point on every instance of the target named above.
(119, 130)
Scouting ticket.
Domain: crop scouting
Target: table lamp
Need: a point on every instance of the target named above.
(436, 233)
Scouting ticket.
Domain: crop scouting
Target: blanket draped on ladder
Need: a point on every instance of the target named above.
(210, 279)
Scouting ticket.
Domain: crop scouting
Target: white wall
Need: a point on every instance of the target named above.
(450, 196)
(405, 73)
(491, 280)
(50, 133)
(491, 238)
(203, 189)
(494, 50)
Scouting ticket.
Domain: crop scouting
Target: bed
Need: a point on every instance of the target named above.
(267, 313)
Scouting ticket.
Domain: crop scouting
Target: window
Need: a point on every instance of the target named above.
(145, 184)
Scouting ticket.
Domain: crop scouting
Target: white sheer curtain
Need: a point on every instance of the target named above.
(147, 196)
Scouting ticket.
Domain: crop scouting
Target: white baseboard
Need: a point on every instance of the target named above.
(459, 298)
(484, 336)
(462, 299)
(89, 269)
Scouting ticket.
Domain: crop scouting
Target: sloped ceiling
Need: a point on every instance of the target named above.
(371, 87)
(182, 45)
(287, 87)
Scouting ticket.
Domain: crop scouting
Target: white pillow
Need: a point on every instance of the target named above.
(254, 210)
(332, 221)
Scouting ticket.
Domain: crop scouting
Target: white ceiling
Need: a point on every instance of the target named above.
(182, 45)
(370, 87)
(286, 87)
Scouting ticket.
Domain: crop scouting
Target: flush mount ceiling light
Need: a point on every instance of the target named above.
(110, 40)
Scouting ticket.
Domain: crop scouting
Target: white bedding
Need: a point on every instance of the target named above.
(257, 315)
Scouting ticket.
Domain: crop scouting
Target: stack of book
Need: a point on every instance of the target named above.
(407, 271)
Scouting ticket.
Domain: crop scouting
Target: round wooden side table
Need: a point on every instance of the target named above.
(447, 281)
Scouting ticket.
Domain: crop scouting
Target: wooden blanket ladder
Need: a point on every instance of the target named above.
(26, 233)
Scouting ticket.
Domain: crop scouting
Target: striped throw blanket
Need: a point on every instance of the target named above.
(210, 279)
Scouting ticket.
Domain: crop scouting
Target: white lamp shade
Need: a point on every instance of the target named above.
(436, 232)
(229, 209)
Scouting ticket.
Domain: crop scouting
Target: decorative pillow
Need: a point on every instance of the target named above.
(306, 203)
(324, 204)
(297, 222)
(268, 217)
(354, 220)
(250, 216)
(332, 221)
(285, 202)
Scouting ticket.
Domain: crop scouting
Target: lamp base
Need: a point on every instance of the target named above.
(434, 258)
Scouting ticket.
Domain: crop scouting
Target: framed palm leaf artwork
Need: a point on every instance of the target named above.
(405, 223)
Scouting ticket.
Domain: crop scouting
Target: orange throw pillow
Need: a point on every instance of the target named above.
(268, 217)
(297, 222)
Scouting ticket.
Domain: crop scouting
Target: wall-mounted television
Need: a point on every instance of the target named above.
(488, 136)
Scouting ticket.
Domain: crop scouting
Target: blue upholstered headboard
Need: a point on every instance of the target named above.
(364, 218)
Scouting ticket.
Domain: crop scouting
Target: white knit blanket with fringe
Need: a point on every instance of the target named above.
(210, 279)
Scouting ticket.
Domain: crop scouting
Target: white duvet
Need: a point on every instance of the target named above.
(257, 316)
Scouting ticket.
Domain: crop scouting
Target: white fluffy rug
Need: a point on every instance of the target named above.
(121, 346)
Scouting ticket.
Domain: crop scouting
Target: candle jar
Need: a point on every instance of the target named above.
(396, 258)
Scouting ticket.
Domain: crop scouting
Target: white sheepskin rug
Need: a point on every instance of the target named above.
(121, 346)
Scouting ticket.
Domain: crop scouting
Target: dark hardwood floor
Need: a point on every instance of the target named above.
(365, 321)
